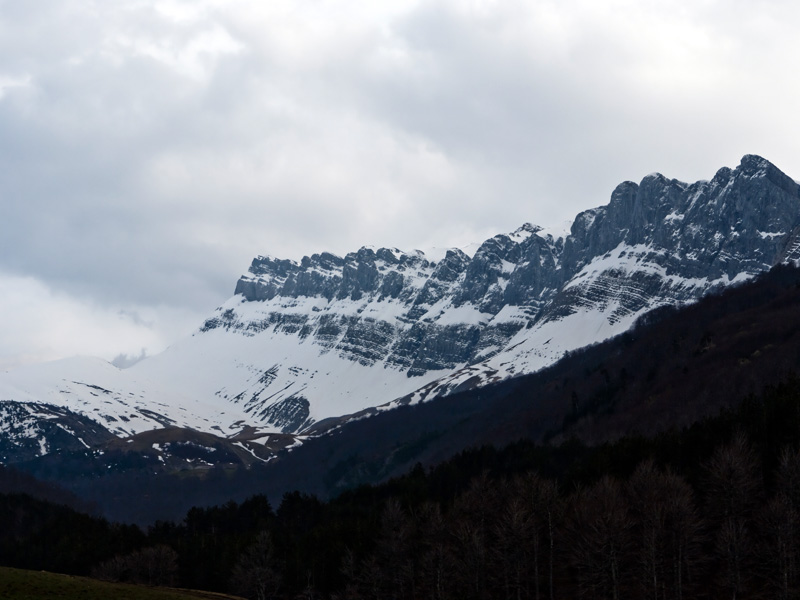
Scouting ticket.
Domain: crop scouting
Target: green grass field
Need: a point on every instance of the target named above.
(16, 584)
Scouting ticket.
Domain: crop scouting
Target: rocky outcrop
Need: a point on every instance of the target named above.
(658, 242)
(684, 239)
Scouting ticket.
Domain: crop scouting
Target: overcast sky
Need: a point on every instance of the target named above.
(150, 149)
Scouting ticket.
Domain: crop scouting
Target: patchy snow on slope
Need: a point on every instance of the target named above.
(557, 231)
(437, 253)
(445, 314)
(121, 400)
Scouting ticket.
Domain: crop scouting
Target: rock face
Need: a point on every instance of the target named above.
(305, 342)
(496, 313)
(407, 310)
(739, 223)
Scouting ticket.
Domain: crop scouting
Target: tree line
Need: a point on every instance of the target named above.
(650, 535)
(707, 511)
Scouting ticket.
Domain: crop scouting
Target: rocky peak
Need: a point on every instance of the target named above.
(657, 242)
(271, 274)
(359, 275)
(755, 167)
(451, 266)
(277, 268)
(737, 221)
(324, 262)
(312, 333)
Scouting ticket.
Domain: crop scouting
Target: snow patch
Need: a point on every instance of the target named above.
(764, 235)
(674, 216)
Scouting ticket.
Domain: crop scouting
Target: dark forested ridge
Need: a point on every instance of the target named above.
(14, 481)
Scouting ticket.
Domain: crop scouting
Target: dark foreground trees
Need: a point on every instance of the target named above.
(709, 512)
(154, 565)
(732, 531)
(523, 539)
(256, 573)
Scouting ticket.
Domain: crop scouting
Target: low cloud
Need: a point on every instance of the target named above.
(41, 324)
(123, 361)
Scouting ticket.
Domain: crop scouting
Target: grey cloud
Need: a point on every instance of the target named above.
(123, 361)
(138, 169)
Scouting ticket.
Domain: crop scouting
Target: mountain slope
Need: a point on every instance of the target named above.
(301, 345)
(675, 368)
(330, 336)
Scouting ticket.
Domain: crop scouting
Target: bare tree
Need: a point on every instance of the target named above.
(471, 550)
(156, 565)
(394, 552)
(788, 476)
(366, 579)
(474, 515)
(513, 550)
(649, 512)
(733, 488)
(733, 544)
(255, 575)
(546, 511)
(599, 537)
(684, 529)
(436, 560)
(778, 523)
(114, 569)
(351, 574)
(667, 531)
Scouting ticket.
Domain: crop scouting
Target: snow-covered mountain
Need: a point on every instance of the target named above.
(302, 345)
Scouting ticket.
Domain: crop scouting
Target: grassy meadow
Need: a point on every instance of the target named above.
(17, 584)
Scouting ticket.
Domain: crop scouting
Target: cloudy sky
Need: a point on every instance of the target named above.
(150, 149)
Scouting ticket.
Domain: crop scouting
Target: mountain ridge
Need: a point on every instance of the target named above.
(677, 368)
(304, 344)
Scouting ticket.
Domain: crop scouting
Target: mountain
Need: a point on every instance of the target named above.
(303, 347)
(674, 372)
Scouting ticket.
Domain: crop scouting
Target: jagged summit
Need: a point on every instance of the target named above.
(455, 320)
(306, 342)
